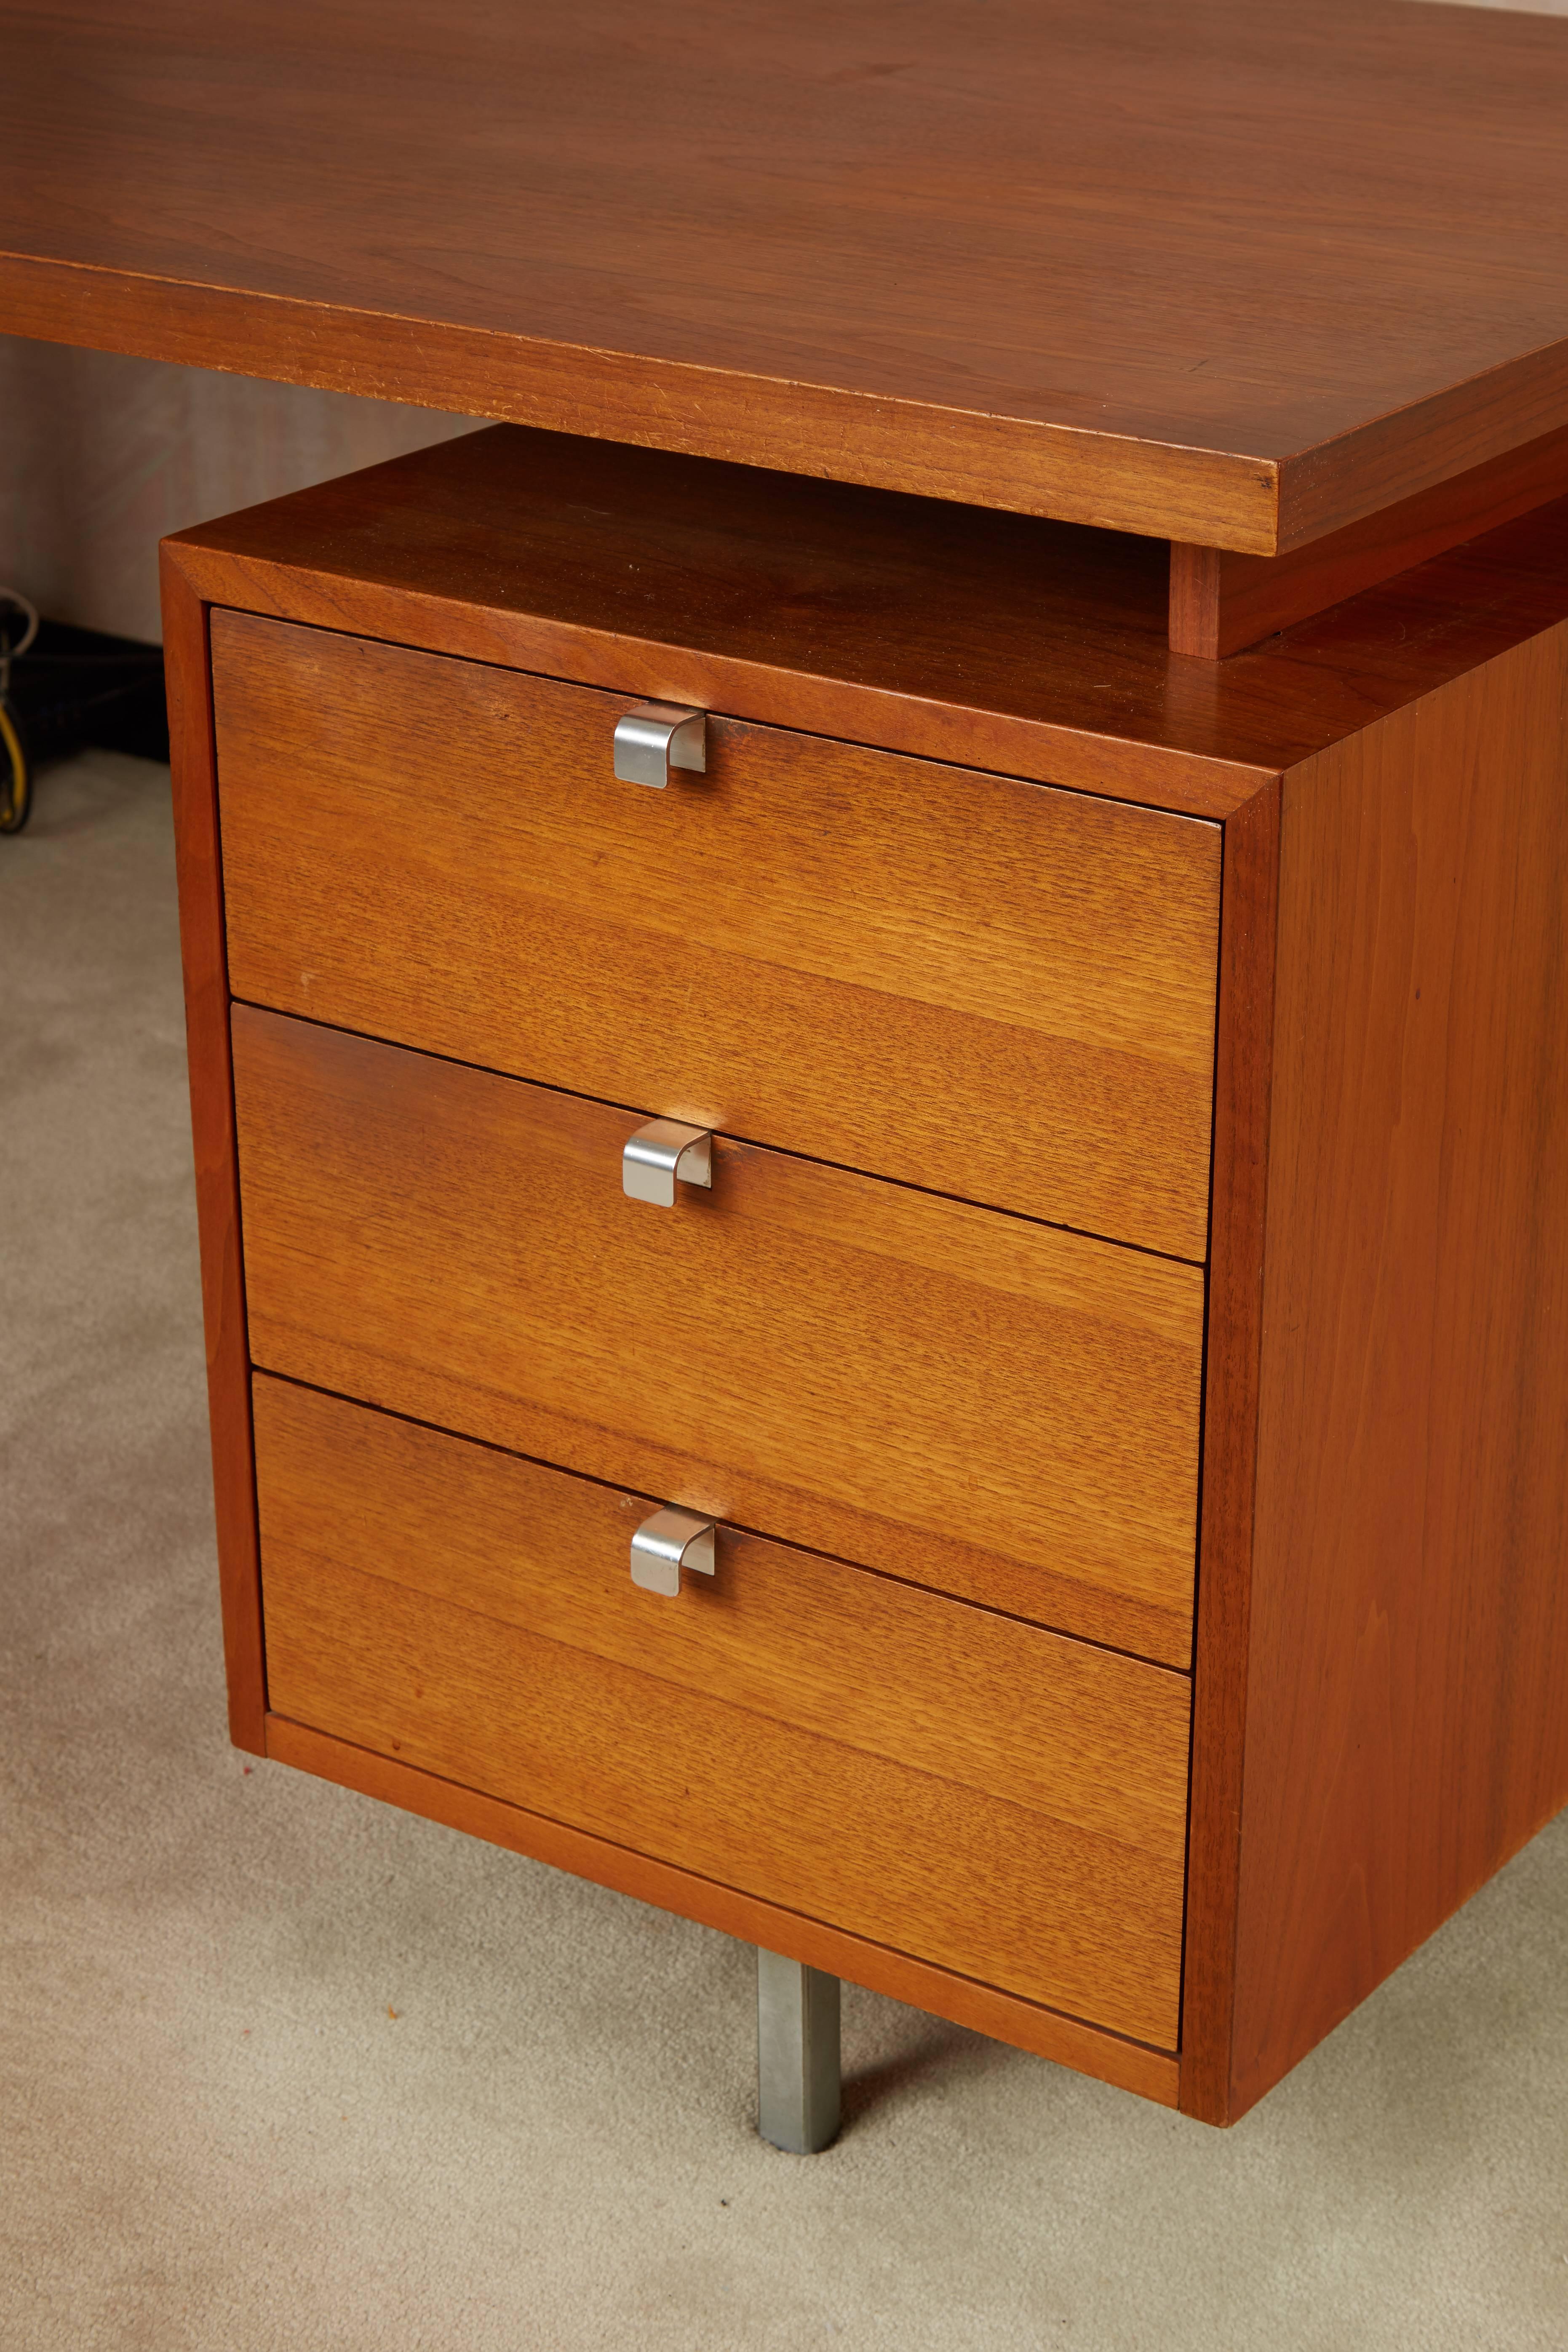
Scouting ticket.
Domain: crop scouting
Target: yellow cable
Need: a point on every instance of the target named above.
(17, 808)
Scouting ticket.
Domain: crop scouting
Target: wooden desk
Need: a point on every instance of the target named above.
(1070, 351)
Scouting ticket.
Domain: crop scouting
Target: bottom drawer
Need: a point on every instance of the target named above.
(959, 1785)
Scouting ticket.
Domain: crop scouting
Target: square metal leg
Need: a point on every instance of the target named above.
(797, 2054)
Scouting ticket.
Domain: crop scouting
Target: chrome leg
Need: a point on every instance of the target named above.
(797, 2054)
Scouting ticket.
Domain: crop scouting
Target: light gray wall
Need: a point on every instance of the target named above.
(99, 457)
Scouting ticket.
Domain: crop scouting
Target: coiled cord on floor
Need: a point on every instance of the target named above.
(16, 777)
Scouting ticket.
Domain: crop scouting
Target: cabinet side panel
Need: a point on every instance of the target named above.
(202, 946)
(1407, 1706)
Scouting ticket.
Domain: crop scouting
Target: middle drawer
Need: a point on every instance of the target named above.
(989, 1406)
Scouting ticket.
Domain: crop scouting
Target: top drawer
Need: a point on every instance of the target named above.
(986, 987)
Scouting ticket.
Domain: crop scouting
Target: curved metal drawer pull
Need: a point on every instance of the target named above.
(656, 1154)
(657, 737)
(666, 1544)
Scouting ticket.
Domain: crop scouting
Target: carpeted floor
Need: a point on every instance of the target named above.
(284, 2070)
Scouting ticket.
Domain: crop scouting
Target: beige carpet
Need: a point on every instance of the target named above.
(217, 2133)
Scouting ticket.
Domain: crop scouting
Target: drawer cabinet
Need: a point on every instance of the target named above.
(1113, 1378)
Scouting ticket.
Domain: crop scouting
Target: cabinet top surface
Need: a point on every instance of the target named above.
(1237, 273)
(1037, 649)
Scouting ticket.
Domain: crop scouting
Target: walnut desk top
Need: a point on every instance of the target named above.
(1224, 275)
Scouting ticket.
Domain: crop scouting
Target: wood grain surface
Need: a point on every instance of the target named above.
(1220, 275)
(971, 1401)
(981, 640)
(1093, 1739)
(971, 984)
(1220, 602)
(1407, 1699)
(1243, 1078)
(1027, 2025)
(810, 1734)
(197, 865)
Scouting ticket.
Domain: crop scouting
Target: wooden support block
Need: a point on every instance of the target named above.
(1222, 602)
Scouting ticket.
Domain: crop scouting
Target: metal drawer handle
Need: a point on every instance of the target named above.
(666, 1544)
(656, 1154)
(657, 737)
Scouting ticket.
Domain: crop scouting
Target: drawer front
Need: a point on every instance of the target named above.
(981, 986)
(992, 1407)
(961, 1787)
